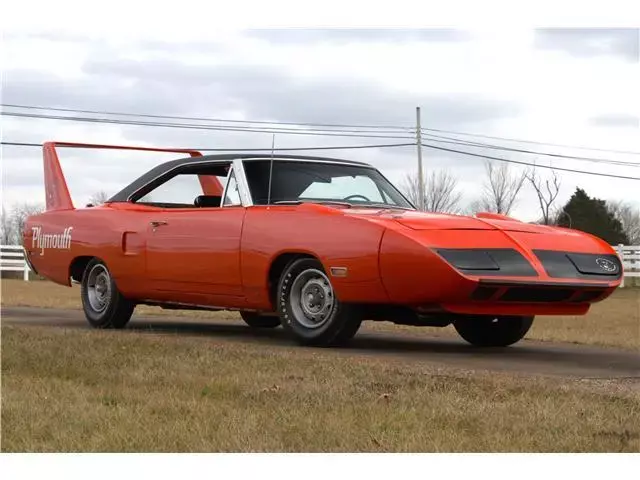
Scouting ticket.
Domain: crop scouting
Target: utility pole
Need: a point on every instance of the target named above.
(420, 175)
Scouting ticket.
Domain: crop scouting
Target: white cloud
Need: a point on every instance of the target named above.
(497, 83)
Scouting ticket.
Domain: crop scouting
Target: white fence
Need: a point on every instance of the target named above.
(630, 256)
(12, 260)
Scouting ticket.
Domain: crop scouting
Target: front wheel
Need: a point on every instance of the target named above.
(309, 309)
(493, 331)
(103, 304)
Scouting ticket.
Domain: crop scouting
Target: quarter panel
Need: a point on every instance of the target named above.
(96, 232)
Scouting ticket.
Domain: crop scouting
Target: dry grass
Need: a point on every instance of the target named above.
(45, 294)
(614, 322)
(76, 390)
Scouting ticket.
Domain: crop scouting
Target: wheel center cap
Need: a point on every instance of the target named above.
(315, 298)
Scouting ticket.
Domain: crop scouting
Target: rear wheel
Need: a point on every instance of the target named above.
(255, 320)
(309, 309)
(493, 331)
(103, 304)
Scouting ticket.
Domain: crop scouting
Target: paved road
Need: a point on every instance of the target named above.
(525, 357)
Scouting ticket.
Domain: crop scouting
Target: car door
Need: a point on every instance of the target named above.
(193, 253)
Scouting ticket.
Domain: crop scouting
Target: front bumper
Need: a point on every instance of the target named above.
(569, 284)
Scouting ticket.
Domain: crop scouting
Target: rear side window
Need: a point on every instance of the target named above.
(188, 188)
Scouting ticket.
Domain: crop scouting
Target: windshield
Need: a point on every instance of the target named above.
(294, 181)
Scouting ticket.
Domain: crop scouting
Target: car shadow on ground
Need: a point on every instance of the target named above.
(539, 356)
(526, 356)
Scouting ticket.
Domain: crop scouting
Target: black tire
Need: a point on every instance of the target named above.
(493, 331)
(255, 320)
(103, 304)
(333, 323)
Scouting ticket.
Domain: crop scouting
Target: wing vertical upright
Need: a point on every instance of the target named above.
(55, 185)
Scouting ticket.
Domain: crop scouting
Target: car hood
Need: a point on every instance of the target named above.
(438, 221)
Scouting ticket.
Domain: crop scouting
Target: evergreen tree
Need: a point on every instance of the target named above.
(591, 215)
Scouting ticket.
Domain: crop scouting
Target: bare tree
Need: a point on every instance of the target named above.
(547, 191)
(629, 217)
(99, 198)
(19, 214)
(501, 189)
(7, 234)
(410, 187)
(559, 214)
(440, 191)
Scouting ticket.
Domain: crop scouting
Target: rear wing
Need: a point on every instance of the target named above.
(55, 186)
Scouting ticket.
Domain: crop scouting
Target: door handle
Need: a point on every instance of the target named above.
(158, 223)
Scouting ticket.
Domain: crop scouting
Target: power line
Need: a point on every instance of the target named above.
(334, 133)
(281, 131)
(499, 159)
(627, 152)
(397, 129)
(199, 126)
(353, 147)
(347, 147)
(298, 132)
(455, 141)
(205, 119)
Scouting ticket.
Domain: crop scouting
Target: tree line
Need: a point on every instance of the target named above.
(616, 222)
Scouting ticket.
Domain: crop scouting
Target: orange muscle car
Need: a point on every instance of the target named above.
(316, 245)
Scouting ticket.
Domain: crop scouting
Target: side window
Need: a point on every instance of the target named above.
(232, 195)
(180, 190)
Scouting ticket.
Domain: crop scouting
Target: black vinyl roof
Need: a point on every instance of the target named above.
(164, 168)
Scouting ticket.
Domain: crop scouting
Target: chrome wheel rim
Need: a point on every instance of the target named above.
(312, 298)
(99, 288)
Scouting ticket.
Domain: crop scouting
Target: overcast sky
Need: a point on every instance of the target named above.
(576, 87)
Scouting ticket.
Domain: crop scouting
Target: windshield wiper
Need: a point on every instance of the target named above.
(344, 204)
(384, 205)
